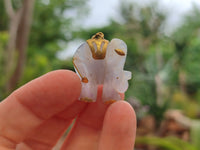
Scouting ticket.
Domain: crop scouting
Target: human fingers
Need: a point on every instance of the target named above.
(34, 103)
(119, 128)
(86, 131)
(46, 135)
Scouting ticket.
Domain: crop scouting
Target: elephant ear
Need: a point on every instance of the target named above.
(84, 66)
(80, 61)
(116, 55)
(115, 60)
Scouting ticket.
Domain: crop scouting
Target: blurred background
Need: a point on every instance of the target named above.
(163, 39)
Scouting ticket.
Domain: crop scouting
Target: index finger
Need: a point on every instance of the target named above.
(39, 100)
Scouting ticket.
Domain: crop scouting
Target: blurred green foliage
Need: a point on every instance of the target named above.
(3, 41)
(173, 143)
(51, 30)
(167, 143)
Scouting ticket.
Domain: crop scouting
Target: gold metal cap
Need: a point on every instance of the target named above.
(98, 45)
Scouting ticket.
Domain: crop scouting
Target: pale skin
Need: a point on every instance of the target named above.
(35, 116)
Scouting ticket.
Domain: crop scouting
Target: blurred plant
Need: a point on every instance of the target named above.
(187, 105)
(50, 32)
(140, 109)
(187, 50)
(175, 123)
(167, 143)
(195, 134)
(19, 16)
(3, 79)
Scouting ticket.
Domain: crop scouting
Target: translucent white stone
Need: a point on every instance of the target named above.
(107, 71)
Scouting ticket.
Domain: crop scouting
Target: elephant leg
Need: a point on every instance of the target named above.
(110, 94)
(89, 92)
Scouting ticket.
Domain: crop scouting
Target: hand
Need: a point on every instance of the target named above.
(36, 115)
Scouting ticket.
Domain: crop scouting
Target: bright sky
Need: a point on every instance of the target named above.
(102, 10)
